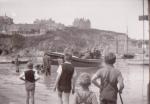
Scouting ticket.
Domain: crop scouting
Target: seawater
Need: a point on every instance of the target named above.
(136, 78)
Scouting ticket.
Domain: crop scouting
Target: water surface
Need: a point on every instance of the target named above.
(136, 78)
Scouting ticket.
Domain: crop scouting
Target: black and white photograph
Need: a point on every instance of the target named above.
(74, 51)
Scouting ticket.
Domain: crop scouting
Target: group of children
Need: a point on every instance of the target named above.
(65, 83)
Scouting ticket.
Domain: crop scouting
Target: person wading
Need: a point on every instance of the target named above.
(17, 63)
(47, 64)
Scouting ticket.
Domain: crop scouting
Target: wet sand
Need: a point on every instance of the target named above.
(4, 100)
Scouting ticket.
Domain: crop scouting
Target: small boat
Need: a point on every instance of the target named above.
(10, 60)
(128, 56)
(20, 61)
(76, 61)
(139, 60)
(5, 60)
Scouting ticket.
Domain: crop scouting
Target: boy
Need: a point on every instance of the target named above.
(111, 80)
(65, 79)
(30, 76)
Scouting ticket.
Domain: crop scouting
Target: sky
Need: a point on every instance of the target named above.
(112, 15)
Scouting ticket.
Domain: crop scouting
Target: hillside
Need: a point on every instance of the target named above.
(72, 37)
(78, 39)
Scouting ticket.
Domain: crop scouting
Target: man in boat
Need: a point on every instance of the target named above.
(47, 64)
(87, 55)
(96, 54)
(110, 78)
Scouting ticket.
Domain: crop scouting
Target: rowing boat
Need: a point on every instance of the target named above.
(139, 60)
(20, 61)
(10, 60)
(76, 61)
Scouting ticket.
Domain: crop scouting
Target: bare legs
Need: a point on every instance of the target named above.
(17, 68)
(28, 96)
(48, 72)
(60, 97)
(66, 98)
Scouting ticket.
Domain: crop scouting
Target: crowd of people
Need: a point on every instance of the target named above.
(110, 83)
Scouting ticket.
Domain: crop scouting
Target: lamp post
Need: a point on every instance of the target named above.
(148, 94)
(142, 18)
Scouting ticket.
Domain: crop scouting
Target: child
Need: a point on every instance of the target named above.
(65, 79)
(84, 95)
(111, 80)
(30, 76)
(38, 68)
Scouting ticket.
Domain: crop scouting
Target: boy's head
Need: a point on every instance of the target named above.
(60, 61)
(84, 80)
(30, 65)
(110, 58)
(37, 66)
(68, 56)
(45, 53)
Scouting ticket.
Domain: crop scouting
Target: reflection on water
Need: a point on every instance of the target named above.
(135, 78)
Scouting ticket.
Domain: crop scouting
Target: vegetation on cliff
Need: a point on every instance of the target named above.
(57, 40)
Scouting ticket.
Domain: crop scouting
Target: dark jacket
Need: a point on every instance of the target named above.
(29, 76)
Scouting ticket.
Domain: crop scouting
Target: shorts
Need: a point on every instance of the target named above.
(64, 90)
(107, 102)
(30, 86)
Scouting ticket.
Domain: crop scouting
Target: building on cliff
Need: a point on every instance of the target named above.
(5, 21)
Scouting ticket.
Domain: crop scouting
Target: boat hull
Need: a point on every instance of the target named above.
(77, 62)
(21, 62)
(9, 60)
(138, 62)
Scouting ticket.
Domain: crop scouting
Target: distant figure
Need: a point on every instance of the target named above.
(87, 55)
(110, 77)
(30, 76)
(38, 67)
(17, 63)
(60, 62)
(84, 95)
(47, 64)
(65, 79)
(96, 54)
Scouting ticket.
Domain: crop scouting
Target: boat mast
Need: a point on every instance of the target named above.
(116, 44)
(127, 39)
